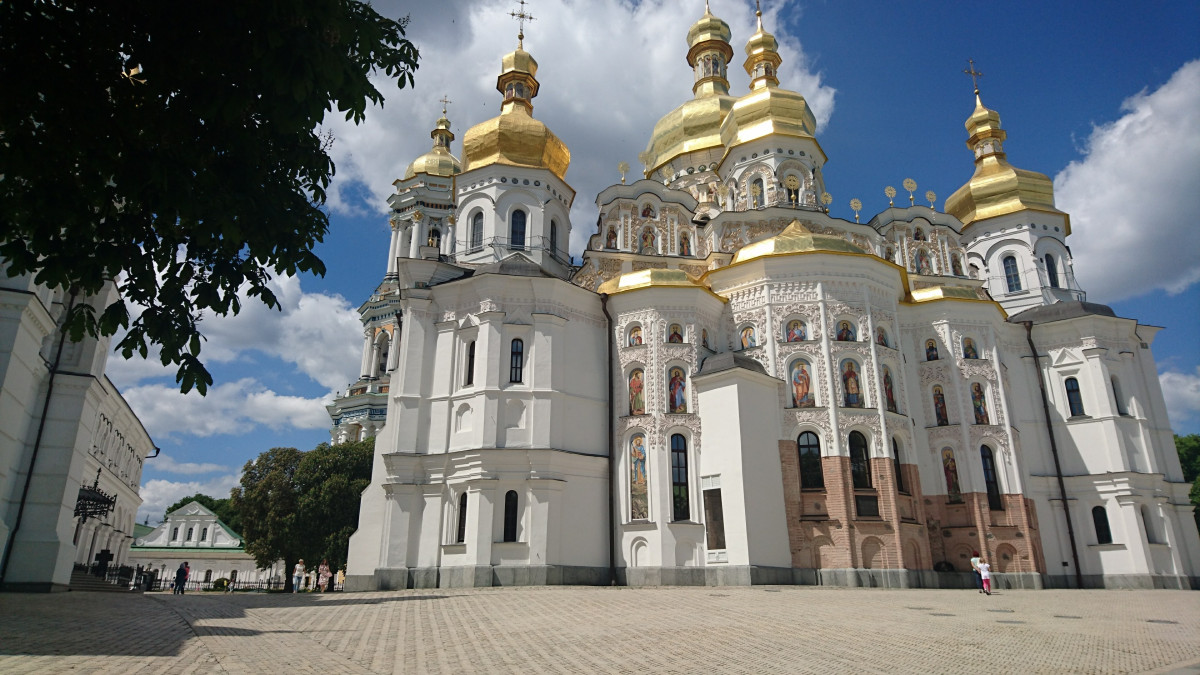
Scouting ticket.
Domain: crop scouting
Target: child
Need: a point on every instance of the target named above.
(985, 571)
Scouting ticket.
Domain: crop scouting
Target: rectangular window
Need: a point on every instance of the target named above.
(469, 378)
(516, 366)
(681, 505)
(714, 519)
(867, 506)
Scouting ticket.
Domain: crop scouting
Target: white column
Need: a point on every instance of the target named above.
(416, 235)
(393, 251)
(366, 355)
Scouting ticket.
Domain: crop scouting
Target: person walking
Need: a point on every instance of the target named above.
(975, 570)
(181, 576)
(297, 575)
(323, 575)
(985, 575)
(341, 579)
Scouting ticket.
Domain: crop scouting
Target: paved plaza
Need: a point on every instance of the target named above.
(587, 630)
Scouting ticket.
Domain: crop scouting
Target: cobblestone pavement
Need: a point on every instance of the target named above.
(585, 630)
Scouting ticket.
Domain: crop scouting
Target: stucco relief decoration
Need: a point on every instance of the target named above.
(648, 265)
(693, 271)
(800, 418)
(732, 239)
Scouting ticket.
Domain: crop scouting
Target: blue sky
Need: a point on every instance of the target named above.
(1099, 96)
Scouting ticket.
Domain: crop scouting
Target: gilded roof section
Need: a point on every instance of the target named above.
(694, 125)
(436, 162)
(767, 111)
(515, 138)
(795, 238)
(657, 278)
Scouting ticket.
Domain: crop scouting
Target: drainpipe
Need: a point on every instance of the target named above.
(612, 456)
(37, 443)
(1062, 488)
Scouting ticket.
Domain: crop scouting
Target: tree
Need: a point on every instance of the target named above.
(221, 507)
(175, 151)
(330, 481)
(267, 500)
(1188, 448)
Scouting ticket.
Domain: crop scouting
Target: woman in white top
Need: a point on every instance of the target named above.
(297, 575)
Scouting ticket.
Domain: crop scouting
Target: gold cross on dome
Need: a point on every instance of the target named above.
(445, 100)
(521, 16)
(975, 75)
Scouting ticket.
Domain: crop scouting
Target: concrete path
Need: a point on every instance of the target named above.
(586, 630)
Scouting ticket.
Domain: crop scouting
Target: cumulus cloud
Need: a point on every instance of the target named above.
(229, 408)
(1183, 394)
(158, 494)
(167, 464)
(1132, 195)
(588, 96)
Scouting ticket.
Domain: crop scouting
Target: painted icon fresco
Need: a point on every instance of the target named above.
(801, 380)
(881, 337)
(704, 338)
(846, 332)
(969, 351)
(851, 385)
(675, 334)
(956, 265)
(748, 338)
(639, 506)
(635, 336)
(979, 404)
(610, 240)
(919, 235)
(889, 394)
(931, 353)
(939, 406)
(637, 392)
(923, 264)
(646, 245)
(647, 210)
(677, 391)
(685, 243)
(950, 469)
(796, 331)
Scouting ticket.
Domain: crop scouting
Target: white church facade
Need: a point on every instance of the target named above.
(734, 387)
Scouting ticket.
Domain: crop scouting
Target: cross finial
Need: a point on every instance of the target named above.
(445, 102)
(521, 16)
(975, 75)
(758, 13)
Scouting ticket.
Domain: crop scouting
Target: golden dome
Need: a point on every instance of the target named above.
(709, 27)
(514, 137)
(762, 57)
(795, 238)
(648, 278)
(997, 188)
(438, 161)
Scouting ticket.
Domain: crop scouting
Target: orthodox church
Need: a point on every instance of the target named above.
(734, 387)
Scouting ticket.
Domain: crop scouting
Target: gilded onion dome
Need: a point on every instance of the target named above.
(438, 161)
(696, 124)
(658, 278)
(997, 188)
(514, 137)
(767, 109)
(795, 238)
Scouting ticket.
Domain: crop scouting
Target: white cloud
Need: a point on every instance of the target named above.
(158, 494)
(229, 408)
(596, 94)
(167, 464)
(1182, 394)
(1131, 198)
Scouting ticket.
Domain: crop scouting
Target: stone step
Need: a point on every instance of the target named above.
(82, 581)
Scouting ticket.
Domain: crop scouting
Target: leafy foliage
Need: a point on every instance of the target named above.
(267, 500)
(222, 507)
(174, 149)
(1188, 448)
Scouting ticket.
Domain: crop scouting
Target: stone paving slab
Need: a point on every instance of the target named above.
(760, 629)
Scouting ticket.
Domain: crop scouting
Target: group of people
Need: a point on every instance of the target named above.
(983, 573)
(321, 583)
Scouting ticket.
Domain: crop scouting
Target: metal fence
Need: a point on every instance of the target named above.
(219, 585)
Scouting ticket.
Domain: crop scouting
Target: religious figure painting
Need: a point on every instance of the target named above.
(846, 332)
(677, 391)
(676, 334)
(647, 210)
(796, 331)
(969, 351)
(685, 244)
(939, 406)
(801, 385)
(881, 337)
(891, 254)
(748, 339)
(919, 235)
(950, 468)
(888, 393)
(850, 384)
(637, 394)
(931, 353)
(979, 404)
(647, 242)
(956, 265)
(639, 505)
(704, 338)
(923, 265)
(610, 240)
(635, 336)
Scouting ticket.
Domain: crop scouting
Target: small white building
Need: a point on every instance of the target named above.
(195, 535)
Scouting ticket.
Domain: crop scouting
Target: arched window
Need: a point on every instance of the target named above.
(896, 466)
(477, 231)
(510, 515)
(207, 576)
(1100, 521)
(189, 534)
(469, 376)
(758, 193)
(809, 447)
(516, 362)
(435, 237)
(680, 506)
(204, 534)
(175, 534)
(461, 536)
(1074, 397)
(1120, 399)
(1148, 525)
(517, 240)
(1011, 276)
(860, 466)
(995, 503)
(1051, 271)
(232, 576)
(553, 238)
